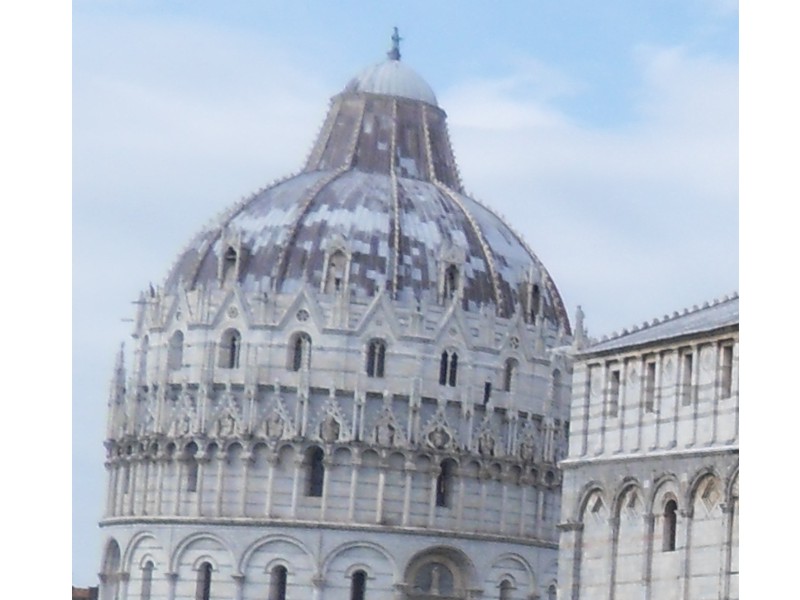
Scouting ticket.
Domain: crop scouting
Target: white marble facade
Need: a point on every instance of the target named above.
(651, 485)
(354, 385)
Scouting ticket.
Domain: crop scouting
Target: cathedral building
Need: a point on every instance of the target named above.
(650, 504)
(354, 384)
(361, 383)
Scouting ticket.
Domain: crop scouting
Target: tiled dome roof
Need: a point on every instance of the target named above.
(381, 183)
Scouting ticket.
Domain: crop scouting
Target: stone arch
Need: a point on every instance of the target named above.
(625, 486)
(511, 566)
(585, 495)
(440, 569)
(628, 541)
(705, 531)
(137, 541)
(278, 550)
(257, 545)
(341, 562)
(203, 561)
(699, 479)
(185, 543)
(668, 482)
(111, 573)
(593, 562)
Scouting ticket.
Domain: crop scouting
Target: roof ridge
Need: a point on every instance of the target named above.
(669, 318)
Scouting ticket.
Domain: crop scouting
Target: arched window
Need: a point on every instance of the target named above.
(175, 351)
(505, 590)
(300, 352)
(508, 373)
(147, 580)
(444, 483)
(277, 583)
(335, 274)
(203, 591)
(450, 282)
(552, 593)
(315, 477)
(670, 525)
(192, 468)
(448, 369)
(376, 358)
(358, 585)
(229, 349)
(536, 298)
(229, 264)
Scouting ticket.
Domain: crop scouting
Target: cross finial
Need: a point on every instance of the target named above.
(394, 53)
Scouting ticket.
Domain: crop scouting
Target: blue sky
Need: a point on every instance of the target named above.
(605, 132)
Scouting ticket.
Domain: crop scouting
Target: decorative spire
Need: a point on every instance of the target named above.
(394, 53)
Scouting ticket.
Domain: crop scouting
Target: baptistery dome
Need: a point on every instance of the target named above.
(354, 384)
(381, 186)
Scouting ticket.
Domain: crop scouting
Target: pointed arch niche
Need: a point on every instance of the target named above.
(336, 276)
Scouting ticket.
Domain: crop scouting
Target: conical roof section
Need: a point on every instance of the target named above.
(386, 120)
(381, 186)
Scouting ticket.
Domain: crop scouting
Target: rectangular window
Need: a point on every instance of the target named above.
(650, 387)
(726, 371)
(687, 390)
(613, 392)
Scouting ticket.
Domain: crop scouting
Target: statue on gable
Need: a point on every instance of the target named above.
(526, 449)
(486, 443)
(329, 430)
(385, 434)
(226, 425)
(273, 426)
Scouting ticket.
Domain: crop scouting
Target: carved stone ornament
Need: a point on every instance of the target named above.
(332, 424)
(275, 422)
(228, 417)
(233, 312)
(184, 414)
(527, 446)
(438, 434)
(386, 431)
(439, 438)
(273, 426)
(487, 440)
(329, 429)
(302, 315)
(486, 443)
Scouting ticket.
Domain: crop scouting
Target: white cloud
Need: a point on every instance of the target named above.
(627, 219)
